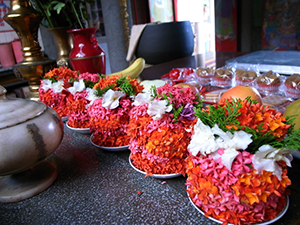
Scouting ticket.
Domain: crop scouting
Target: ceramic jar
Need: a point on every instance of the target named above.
(29, 132)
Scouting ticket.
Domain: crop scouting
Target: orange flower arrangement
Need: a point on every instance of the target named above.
(160, 129)
(237, 170)
(53, 89)
(110, 108)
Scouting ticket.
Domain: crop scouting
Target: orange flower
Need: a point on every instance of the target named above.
(61, 73)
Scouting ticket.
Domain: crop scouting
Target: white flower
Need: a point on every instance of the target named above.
(208, 140)
(203, 140)
(266, 159)
(111, 99)
(157, 109)
(47, 84)
(142, 98)
(91, 95)
(58, 86)
(78, 86)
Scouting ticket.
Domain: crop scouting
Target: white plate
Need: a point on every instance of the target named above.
(111, 149)
(79, 130)
(158, 176)
(263, 223)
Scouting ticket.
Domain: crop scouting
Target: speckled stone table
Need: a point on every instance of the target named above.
(100, 187)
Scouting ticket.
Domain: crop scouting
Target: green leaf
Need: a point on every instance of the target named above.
(59, 6)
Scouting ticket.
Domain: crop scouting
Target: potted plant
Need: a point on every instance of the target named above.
(62, 13)
(62, 16)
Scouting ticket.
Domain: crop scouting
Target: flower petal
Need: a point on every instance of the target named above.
(58, 86)
(111, 99)
(46, 84)
(142, 98)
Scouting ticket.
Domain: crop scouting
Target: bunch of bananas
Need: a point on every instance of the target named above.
(133, 71)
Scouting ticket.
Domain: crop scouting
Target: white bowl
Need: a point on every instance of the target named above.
(79, 130)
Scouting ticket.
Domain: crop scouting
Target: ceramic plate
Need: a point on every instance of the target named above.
(111, 149)
(79, 130)
(158, 176)
(263, 223)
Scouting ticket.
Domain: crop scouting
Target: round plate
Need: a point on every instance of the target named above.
(65, 119)
(263, 223)
(158, 176)
(111, 149)
(79, 130)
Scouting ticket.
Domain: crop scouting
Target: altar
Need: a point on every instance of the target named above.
(96, 186)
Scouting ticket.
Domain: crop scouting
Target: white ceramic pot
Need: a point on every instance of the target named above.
(29, 132)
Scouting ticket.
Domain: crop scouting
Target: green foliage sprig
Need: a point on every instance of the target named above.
(122, 84)
(226, 117)
(62, 13)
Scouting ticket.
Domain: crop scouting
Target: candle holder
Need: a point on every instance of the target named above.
(25, 20)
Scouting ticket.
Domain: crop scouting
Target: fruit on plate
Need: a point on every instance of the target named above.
(294, 110)
(134, 70)
(242, 92)
(186, 85)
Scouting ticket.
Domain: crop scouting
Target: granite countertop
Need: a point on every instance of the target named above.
(100, 187)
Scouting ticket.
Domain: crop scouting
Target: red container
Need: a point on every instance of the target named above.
(86, 55)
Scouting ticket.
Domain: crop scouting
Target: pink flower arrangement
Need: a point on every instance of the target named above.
(79, 99)
(110, 108)
(160, 129)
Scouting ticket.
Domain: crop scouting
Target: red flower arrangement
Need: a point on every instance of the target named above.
(78, 101)
(160, 129)
(53, 89)
(237, 167)
(110, 108)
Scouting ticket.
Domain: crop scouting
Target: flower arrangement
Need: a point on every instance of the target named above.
(78, 101)
(237, 167)
(53, 89)
(160, 129)
(112, 99)
(68, 93)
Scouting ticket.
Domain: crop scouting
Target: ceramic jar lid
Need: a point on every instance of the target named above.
(16, 111)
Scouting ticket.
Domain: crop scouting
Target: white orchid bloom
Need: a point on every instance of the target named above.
(266, 159)
(142, 98)
(111, 99)
(78, 86)
(203, 140)
(157, 109)
(47, 84)
(91, 95)
(58, 86)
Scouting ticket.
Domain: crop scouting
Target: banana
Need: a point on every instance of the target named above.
(134, 70)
